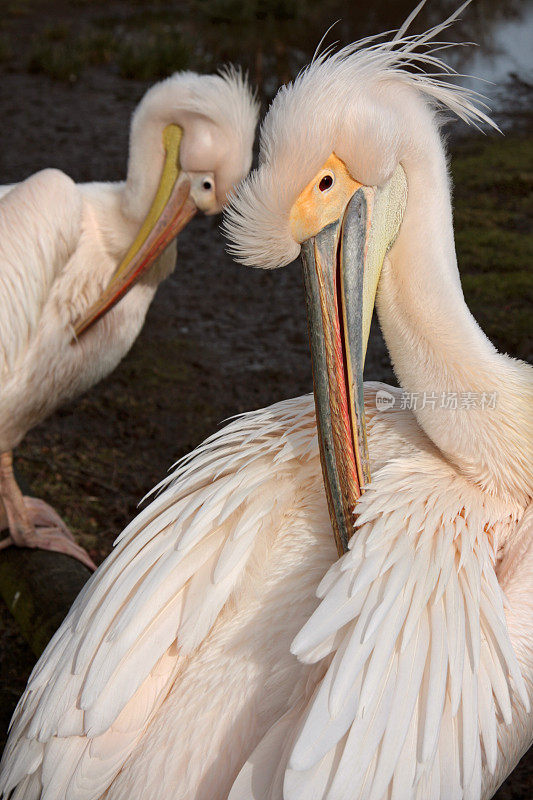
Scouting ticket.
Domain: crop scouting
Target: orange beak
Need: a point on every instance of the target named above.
(342, 266)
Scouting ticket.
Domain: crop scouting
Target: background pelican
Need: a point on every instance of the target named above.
(175, 660)
(66, 257)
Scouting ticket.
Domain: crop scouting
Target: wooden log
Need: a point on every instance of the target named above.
(39, 588)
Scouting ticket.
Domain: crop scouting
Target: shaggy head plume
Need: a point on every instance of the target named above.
(218, 114)
(351, 102)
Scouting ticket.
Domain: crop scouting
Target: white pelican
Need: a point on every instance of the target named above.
(172, 676)
(66, 257)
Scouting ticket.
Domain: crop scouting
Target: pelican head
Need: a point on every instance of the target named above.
(190, 143)
(344, 150)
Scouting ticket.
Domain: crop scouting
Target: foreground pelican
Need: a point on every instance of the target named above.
(172, 676)
(66, 258)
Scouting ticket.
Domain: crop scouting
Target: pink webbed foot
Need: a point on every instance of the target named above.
(44, 529)
(44, 515)
(32, 522)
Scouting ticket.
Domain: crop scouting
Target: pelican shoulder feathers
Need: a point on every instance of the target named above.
(33, 260)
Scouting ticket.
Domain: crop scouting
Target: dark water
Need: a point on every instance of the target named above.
(274, 39)
(507, 51)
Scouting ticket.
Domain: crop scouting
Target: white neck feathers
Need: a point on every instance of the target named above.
(438, 350)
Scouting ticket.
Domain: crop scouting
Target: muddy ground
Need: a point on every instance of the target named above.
(219, 339)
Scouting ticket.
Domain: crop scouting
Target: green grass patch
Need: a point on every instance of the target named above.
(501, 303)
(6, 51)
(148, 54)
(493, 207)
(99, 48)
(61, 60)
(154, 54)
(18, 8)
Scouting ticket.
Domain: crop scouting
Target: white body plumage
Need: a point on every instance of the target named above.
(198, 662)
(175, 661)
(61, 243)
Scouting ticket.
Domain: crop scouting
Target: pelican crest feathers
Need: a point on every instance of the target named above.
(361, 81)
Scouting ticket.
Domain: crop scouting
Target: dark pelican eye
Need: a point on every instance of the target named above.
(326, 183)
(207, 185)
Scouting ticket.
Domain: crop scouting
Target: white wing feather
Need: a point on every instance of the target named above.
(111, 664)
(420, 657)
(40, 222)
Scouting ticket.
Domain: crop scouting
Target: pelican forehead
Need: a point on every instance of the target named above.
(350, 103)
(323, 200)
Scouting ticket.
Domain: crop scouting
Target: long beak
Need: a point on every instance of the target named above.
(342, 265)
(169, 213)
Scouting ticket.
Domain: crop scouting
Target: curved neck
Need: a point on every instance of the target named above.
(470, 399)
(145, 164)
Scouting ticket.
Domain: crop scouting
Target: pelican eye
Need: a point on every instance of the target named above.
(207, 185)
(326, 183)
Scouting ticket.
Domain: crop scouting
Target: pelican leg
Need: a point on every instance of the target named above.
(32, 522)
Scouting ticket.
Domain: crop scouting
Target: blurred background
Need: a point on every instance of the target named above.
(220, 339)
(271, 39)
